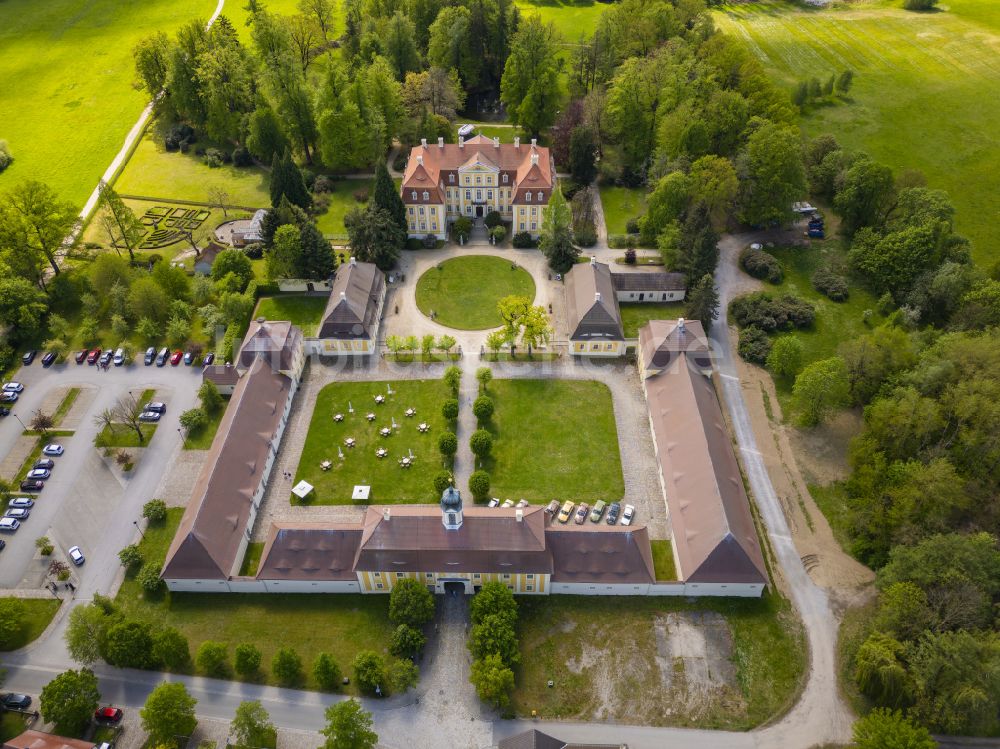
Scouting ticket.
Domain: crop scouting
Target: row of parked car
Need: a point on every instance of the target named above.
(19, 508)
(160, 358)
(580, 513)
(21, 703)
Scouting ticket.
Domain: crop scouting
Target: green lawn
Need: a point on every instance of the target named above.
(202, 439)
(560, 634)
(65, 405)
(505, 134)
(38, 614)
(572, 19)
(620, 204)
(153, 172)
(832, 502)
(554, 439)
(251, 560)
(663, 560)
(389, 481)
(920, 93)
(338, 624)
(122, 435)
(634, 316)
(463, 292)
(69, 100)
(303, 311)
(341, 201)
(11, 725)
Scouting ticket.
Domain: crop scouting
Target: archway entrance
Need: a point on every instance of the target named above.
(454, 587)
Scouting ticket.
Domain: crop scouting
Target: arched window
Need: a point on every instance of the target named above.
(427, 196)
(451, 177)
(505, 179)
(413, 195)
(540, 198)
(527, 196)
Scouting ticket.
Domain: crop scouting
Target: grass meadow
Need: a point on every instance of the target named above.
(620, 204)
(69, 99)
(463, 292)
(299, 309)
(924, 89)
(572, 18)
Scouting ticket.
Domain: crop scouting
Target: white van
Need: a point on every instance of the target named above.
(119, 357)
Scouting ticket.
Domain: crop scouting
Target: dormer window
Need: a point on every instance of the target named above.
(540, 198)
(527, 196)
(505, 179)
(413, 195)
(451, 178)
(427, 195)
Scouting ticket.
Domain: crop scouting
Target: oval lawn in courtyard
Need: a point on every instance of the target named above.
(463, 292)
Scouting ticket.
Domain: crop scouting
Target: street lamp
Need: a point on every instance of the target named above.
(19, 420)
(136, 524)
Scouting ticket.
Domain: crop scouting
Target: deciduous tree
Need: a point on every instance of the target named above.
(70, 699)
(168, 713)
(348, 726)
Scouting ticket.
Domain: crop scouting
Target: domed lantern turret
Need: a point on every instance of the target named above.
(451, 509)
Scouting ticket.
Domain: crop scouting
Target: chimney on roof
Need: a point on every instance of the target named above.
(354, 260)
(420, 159)
(440, 142)
(517, 141)
(534, 142)
(597, 296)
(593, 259)
(461, 141)
(343, 295)
(423, 142)
(385, 514)
(496, 143)
(534, 159)
(680, 324)
(519, 515)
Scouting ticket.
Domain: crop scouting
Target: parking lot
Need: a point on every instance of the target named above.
(88, 502)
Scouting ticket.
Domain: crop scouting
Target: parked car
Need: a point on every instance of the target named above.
(581, 513)
(4, 411)
(598, 511)
(816, 233)
(53, 450)
(628, 514)
(92, 356)
(14, 701)
(8, 397)
(3, 544)
(507, 503)
(119, 356)
(9, 524)
(29, 356)
(106, 358)
(522, 503)
(13, 387)
(81, 356)
(108, 716)
(32, 485)
(162, 356)
(48, 359)
(21, 513)
(209, 358)
(188, 358)
(160, 408)
(566, 511)
(150, 356)
(76, 555)
(495, 502)
(39, 474)
(22, 502)
(613, 511)
(552, 507)
(44, 463)
(149, 416)
(175, 359)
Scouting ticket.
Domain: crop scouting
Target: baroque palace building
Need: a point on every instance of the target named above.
(474, 177)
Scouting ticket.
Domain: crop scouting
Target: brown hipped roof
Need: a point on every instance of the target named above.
(310, 551)
(600, 553)
(657, 281)
(413, 539)
(592, 307)
(353, 304)
(275, 341)
(713, 531)
(222, 375)
(40, 740)
(662, 341)
(216, 518)
(535, 739)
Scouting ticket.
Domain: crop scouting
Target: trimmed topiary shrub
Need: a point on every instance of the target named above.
(483, 408)
(442, 481)
(754, 345)
(254, 250)
(449, 409)
(632, 225)
(461, 228)
(522, 240)
(481, 443)
(493, 218)
(448, 443)
(479, 485)
(760, 264)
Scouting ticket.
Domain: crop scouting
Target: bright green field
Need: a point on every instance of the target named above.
(571, 19)
(38, 614)
(463, 292)
(924, 92)
(634, 316)
(154, 172)
(67, 101)
(341, 201)
(620, 204)
(390, 483)
(301, 310)
(554, 439)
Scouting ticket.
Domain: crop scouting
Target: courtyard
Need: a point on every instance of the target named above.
(554, 439)
(463, 292)
(356, 464)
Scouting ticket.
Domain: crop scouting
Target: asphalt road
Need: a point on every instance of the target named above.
(84, 503)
